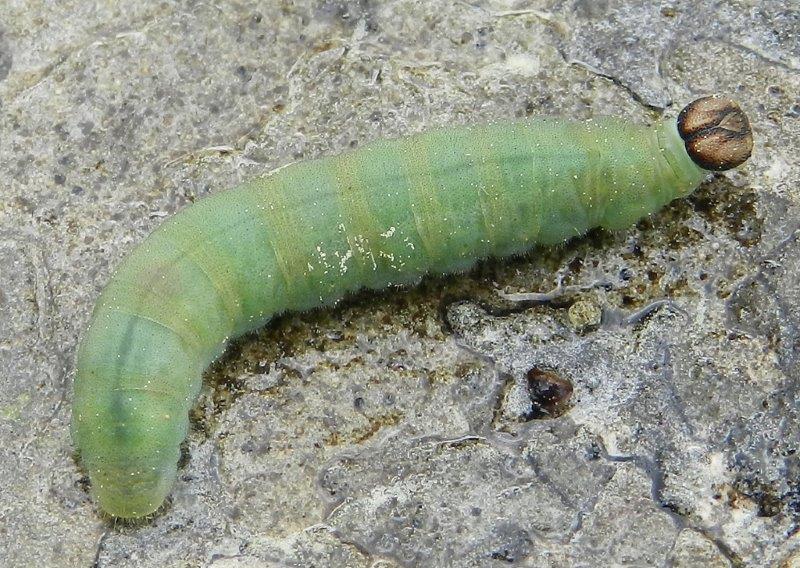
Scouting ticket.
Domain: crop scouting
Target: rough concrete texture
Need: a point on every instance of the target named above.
(434, 426)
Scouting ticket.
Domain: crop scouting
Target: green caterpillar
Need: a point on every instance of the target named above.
(310, 233)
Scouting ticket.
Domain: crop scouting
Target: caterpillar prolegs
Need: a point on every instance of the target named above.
(309, 233)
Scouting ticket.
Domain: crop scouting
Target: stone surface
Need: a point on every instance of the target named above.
(406, 427)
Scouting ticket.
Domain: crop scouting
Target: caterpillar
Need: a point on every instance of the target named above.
(309, 233)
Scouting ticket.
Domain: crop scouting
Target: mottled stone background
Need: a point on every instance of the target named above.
(407, 427)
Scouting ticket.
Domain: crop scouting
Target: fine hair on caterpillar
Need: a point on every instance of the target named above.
(312, 232)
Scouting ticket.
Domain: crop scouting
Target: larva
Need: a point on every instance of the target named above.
(312, 232)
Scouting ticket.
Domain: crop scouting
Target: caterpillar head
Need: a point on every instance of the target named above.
(716, 133)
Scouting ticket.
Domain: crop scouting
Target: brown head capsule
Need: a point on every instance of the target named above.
(716, 133)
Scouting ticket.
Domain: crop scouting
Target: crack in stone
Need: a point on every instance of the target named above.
(653, 470)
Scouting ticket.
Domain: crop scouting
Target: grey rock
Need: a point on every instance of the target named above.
(407, 427)
(6, 58)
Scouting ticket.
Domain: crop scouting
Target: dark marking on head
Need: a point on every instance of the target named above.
(716, 133)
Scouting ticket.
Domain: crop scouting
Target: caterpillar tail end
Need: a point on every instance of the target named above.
(131, 458)
(131, 465)
(127, 482)
(131, 501)
(716, 133)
